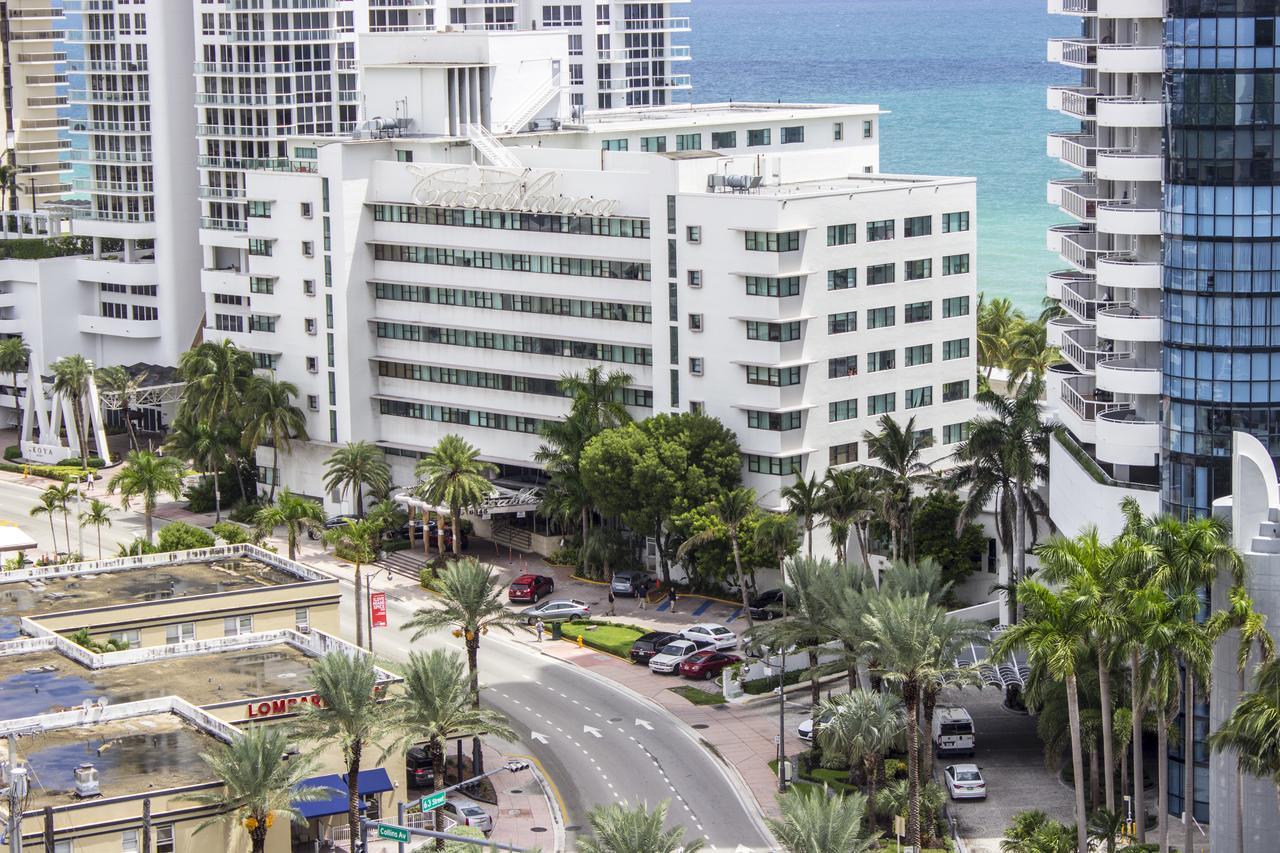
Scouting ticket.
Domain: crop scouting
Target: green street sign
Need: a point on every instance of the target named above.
(394, 833)
(433, 801)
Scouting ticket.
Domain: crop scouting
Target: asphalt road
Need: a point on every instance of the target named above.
(598, 743)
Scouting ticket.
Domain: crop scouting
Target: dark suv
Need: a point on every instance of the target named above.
(650, 644)
(417, 766)
(765, 606)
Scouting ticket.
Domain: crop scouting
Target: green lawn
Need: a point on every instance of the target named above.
(698, 697)
(605, 636)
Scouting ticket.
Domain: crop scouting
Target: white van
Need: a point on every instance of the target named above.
(953, 731)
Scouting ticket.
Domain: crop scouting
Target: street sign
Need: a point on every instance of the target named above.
(433, 801)
(378, 609)
(393, 833)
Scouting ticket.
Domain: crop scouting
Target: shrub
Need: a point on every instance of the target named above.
(180, 536)
(894, 767)
(244, 512)
(84, 640)
(566, 556)
(230, 532)
(77, 462)
(13, 452)
(136, 548)
(395, 545)
(199, 495)
(757, 686)
(53, 472)
(36, 248)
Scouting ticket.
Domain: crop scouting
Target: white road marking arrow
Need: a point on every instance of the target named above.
(591, 731)
(644, 723)
(540, 738)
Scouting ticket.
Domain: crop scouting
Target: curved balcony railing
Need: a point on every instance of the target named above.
(1129, 272)
(1127, 217)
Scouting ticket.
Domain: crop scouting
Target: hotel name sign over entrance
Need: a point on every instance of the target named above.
(507, 190)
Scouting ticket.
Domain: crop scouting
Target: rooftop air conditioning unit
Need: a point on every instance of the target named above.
(86, 776)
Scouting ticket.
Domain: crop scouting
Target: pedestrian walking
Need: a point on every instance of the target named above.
(671, 597)
(643, 592)
(539, 628)
(612, 611)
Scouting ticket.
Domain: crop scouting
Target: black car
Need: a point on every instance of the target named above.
(765, 606)
(417, 765)
(329, 524)
(650, 644)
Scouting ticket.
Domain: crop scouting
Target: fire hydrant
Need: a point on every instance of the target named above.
(580, 643)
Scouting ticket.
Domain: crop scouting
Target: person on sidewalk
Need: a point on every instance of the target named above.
(539, 627)
(612, 610)
(671, 597)
(643, 594)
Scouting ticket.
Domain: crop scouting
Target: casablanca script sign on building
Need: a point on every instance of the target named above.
(507, 190)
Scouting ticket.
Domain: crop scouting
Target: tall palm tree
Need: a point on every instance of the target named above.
(813, 823)
(804, 501)
(472, 597)
(1252, 732)
(273, 419)
(351, 715)
(47, 505)
(897, 449)
(117, 380)
(850, 502)
(99, 515)
(1029, 352)
(942, 670)
(62, 495)
(617, 828)
(353, 467)
(1055, 637)
(356, 540)
(434, 704)
(598, 397)
(217, 376)
(864, 726)
(14, 357)
(72, 376)
(294, 513)
(147, 476)
(996, 320)
(809, 623)
(258, 784)
(731, 509)
(208, 445)
(453, 475)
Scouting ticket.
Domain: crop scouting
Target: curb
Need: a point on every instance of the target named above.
(554, 803)
(799, 687)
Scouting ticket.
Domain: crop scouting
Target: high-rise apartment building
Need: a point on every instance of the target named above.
(34, 119)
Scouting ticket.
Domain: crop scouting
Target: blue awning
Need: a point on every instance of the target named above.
(375, 781)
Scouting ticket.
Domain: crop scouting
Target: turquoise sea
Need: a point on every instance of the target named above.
(963, 81)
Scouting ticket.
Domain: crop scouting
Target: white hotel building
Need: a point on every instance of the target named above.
(748, 261)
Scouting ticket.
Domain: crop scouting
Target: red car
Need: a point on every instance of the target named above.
(530, 588)
(706, 664)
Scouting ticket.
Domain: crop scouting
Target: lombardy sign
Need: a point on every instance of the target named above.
(276, 707)
(508, 190)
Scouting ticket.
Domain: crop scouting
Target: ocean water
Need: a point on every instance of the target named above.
(964, 83)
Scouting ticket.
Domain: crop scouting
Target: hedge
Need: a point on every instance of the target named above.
(66, 473)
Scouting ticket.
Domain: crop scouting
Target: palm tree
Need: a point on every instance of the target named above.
(1029, 353)
(356, 465)
(616, 828)
(813, 823)
(897, 449)
(47, 506)
(355, 540)
(62, 495)
(731, 509)
(273, 419)
(810, 616)
(72, 376)
(258, 783)
(598, 397)
(350, 716)
(1054, 636)
(1036, 832)
(942, 670)
(14, 357)
(472, 597)
(434, 704)
(996, 320)
(850, 500)
(147, 476)
(453, 475)
(207, 444)
(864, 726)
(1252, 732)
(217, 376)
(98, 514)
(804, 501)
(116, 379)
(293, 512)
(1105, 826)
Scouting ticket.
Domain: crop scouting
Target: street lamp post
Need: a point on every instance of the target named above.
(782, 721)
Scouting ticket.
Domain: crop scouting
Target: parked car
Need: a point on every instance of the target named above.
(650, 644)
(530, 588)
(965, 782)
(766, 605)
(718, 636)
(630, 584)
(805, 729)
(417, 765)
(706, 664)
(467, 813)
(675, 653)
(560, 610)
(330, 523)
(953, 731)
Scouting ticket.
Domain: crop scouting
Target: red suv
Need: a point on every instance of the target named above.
(530, 588)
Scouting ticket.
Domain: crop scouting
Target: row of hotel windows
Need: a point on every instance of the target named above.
(883, 229)
(515, 343)
(637, 397)
(845, 410)
(555, 265)
(841, 454)
(881, 318)
(464, 417)
(120, 311)
(917, 270)
(847, 365)
(755, 137)
(539, 222)
(133, 289)
(495, 300)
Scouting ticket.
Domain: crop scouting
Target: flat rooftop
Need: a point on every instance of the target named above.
(20, 598)
(153, 752)
(716, 113)
(34, 683)
(852, 184)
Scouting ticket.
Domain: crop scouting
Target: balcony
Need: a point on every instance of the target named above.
(106, 187)
(1056, 281)
(1078, 245)
(1081, 201)
(1074, 149)
(1121, 217)
(1076, 101)
(1080, 346)
(670, 25)
(1055, 188)
(1125, 323)
(1122, 164)
(1073, 52)
(658, 53)
(1125, 439)
(119, 327)
(1125, 111)
(1084, 299)
(1130, 59)
(1130, 8)
(86, 155)
(1125, 271)
(1057, 328)
(1082, 404)
(1122, 375)
(1073, 7)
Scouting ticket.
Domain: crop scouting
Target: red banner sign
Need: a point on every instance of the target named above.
(378, 609)
(275, 707)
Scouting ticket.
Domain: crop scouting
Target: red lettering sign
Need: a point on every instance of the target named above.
(276, 707)
(378, 609)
